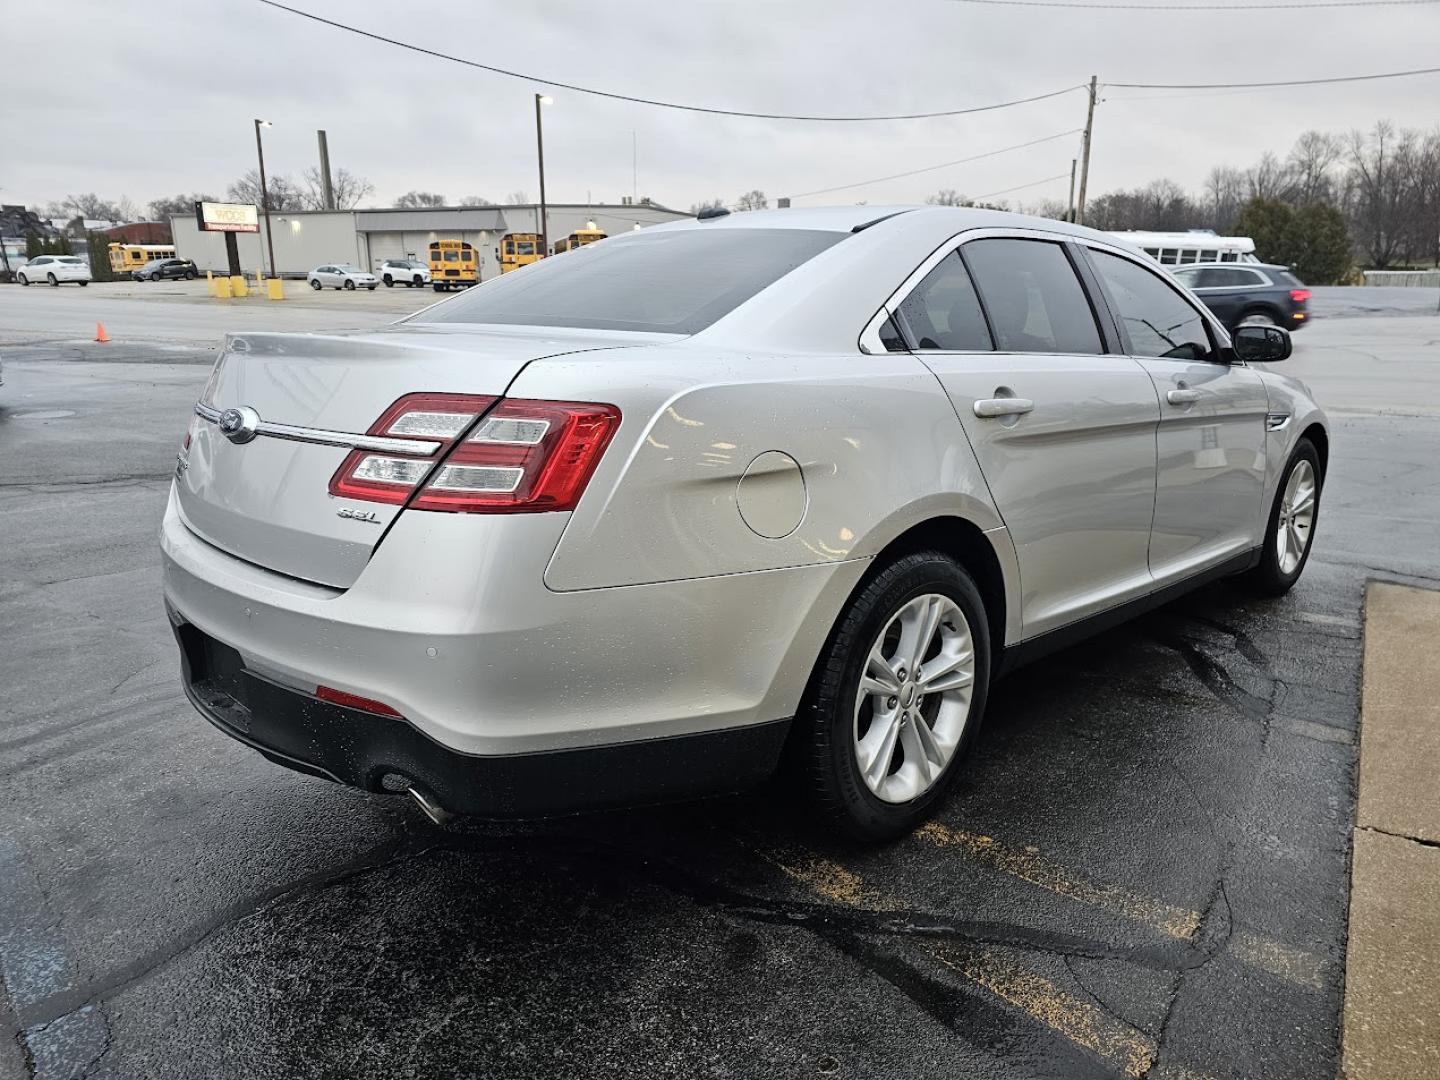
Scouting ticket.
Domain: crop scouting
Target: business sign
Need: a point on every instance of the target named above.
(226, 217)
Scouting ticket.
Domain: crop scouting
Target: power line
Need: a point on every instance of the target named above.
(1164, 9)
(535, 79)
(1283, 82)
(1019, 187)
(942, 165)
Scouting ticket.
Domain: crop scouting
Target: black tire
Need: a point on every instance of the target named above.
(389, 281)
(82, 284)
(438, 287)
(823, 740)
(349, 285)
(52, 279)
(371, 288)
(191, 275)
(1270, 578)
(315, 284)
(155, 276)
(1259, 316)
(418, 281)
(23, 280)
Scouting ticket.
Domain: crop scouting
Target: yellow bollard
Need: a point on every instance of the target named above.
(276, 289)
(222, 288)
(210, 282)
(259, 281)
(237, 286)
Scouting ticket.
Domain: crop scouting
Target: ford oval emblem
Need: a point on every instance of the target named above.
(239, 425)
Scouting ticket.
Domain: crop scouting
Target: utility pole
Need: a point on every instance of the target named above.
(541, 99)
(327, 188)
(265, 193)
(1070, 211)
(1085, 155)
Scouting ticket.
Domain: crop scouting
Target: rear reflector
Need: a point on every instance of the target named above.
(1299, 295)
(523, 456)
(354, 701)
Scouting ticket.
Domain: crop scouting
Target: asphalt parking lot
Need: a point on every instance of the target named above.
(1144, 871)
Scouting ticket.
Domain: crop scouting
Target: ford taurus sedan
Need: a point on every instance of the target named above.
(635, 524)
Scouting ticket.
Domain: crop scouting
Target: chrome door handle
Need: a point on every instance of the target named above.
(989, 408)
(1182, 397)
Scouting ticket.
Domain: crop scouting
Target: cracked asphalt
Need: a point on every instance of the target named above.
(1144, 871)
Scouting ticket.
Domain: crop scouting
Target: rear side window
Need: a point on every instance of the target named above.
(1158, 320)
(1287, 278)
(1035, 302)
(662, 281)
(943, 311)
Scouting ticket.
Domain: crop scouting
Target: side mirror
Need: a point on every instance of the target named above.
(1261, 344)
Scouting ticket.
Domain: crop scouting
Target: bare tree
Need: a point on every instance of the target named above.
(709, 204)
(88, 205)
(947, 197)
(126, 209)
(1377, 190)
(752, 200)
(349, 189)
(284, 193)
(177, 205)
(1224, 196)
(476, 200)
(415, 200)
(1312, 164)
(1270, 178)
(517, 198)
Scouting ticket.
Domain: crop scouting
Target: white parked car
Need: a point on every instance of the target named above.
(624, 526)
(341, 276)
(405, 272)
(55, 269)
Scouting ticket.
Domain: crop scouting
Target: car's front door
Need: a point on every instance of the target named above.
(1211, 440)
(1063, 431)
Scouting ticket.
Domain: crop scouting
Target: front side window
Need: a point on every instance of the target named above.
(655, 281)
(943, 311)
(1158, 320)
(1035, 302)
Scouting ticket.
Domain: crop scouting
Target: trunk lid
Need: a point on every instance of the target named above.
(267, 501)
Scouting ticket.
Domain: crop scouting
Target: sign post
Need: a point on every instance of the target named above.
(228, 218)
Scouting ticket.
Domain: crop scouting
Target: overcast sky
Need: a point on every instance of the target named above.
(145, 98)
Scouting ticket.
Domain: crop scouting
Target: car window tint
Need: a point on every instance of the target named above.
(1158, 319)
(943, 312)
(1193, 279)
(1034, 300)
(662, 281)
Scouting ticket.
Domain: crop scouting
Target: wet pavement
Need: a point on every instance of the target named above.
(1143, 872)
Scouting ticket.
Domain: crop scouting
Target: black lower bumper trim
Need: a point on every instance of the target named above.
(361, 749)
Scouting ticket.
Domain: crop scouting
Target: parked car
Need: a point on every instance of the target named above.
(407, 272)
(1253, 294)
(622, 527)
(341, 276)
(158, 269)
(55, 269)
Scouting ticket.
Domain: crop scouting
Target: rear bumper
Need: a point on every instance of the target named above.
(385, 754)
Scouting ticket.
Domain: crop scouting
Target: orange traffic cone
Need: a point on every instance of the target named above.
(100, 334)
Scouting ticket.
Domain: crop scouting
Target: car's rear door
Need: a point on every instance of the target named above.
(1063, 430)
(1211, 440)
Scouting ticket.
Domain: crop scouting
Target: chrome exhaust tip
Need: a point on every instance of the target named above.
(431, 809)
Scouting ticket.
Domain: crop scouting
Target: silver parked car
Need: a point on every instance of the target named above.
(622, 526)
(341, 276)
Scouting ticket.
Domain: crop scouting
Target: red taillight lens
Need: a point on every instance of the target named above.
(354, 701)
(1299, 295)
(423, 418)
(524, 457)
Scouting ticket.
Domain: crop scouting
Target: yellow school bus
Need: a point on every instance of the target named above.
(578, 238)
(518, 249)
(453, 265)
(125, 258)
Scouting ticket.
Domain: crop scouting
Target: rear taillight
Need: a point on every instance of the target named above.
(523, 457)
(424, 418)
(354, 701)
(1299, 295)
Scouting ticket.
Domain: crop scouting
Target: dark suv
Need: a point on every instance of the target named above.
(1248, 293)
(156, 269)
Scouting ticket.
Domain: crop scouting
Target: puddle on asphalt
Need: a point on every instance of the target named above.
(43, 414)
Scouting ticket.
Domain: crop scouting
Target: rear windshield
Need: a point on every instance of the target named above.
(1288, 278)
(68, 260)
(660, 282)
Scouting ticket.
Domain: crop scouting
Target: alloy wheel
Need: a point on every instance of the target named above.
(1297, 516)
(913, 701)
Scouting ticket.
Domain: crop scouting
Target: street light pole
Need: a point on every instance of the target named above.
(542, 99)
(265, 193)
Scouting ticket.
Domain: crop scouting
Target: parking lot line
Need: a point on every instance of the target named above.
(1029, 865)
(1080, 1021)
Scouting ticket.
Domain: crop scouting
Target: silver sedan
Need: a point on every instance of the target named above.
(625, 526)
